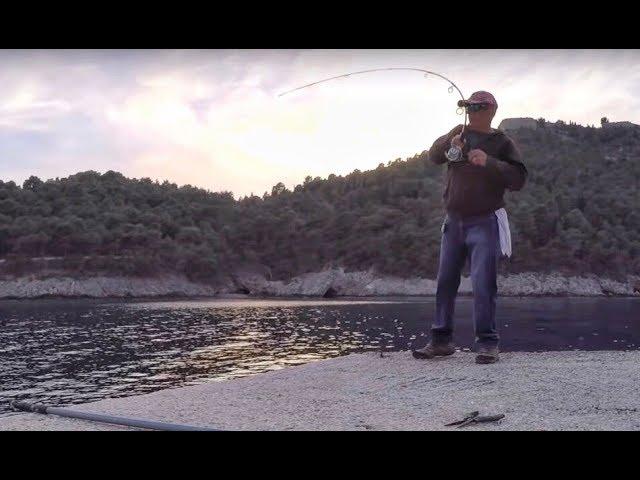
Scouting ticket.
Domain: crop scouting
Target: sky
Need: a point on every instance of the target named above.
(213, 118)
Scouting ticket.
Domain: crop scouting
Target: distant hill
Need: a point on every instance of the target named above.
(578, 213)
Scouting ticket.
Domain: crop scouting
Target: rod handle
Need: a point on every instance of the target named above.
(28, 407)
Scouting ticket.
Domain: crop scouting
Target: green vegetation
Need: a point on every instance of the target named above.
(578, 213)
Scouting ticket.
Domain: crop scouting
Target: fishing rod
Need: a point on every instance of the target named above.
(454, 154)
(101, 418)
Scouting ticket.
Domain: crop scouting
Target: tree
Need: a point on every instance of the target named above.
(32, 183)
(278, 189)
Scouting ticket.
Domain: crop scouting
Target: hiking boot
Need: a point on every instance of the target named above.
(435, 350)
(487, 354)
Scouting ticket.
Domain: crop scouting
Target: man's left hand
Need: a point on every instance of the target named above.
(477, 157)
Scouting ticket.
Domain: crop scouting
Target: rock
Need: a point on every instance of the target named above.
(102, 287)
(612, 287)
(250, 282)
(517, 123)
(331, 293)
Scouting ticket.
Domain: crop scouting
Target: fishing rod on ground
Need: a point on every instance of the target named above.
(23, 406)
(454, 154)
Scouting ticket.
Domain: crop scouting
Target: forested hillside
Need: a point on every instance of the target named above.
(578, 213)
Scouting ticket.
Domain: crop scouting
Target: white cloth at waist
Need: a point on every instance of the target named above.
(505, 233)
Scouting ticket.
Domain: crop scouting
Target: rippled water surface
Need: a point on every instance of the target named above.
(76, 351)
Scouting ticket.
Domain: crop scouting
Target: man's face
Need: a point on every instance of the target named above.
(484, 116)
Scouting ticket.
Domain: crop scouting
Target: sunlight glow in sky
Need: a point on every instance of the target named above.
(213, 118)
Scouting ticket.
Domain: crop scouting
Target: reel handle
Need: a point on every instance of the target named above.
(456, 154)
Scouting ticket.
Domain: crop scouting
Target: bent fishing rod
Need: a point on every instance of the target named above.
(454, 154)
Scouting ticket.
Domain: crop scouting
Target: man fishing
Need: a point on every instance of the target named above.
(475, 225)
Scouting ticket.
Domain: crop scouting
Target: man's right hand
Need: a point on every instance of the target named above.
(457, 141)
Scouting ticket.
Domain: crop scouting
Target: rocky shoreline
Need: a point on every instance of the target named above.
(102, 287)
(337, 282)
(327, 283)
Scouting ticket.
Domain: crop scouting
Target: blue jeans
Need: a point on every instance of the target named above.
(477, 238)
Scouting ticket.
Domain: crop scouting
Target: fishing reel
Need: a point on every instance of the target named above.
(454, 154)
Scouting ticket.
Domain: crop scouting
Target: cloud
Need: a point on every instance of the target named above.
(213, 118)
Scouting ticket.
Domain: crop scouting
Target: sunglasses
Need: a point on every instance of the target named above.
(476, 107)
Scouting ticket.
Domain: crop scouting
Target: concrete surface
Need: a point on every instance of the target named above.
(536, 391)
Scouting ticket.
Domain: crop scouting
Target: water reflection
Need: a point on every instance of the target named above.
(68, 352)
